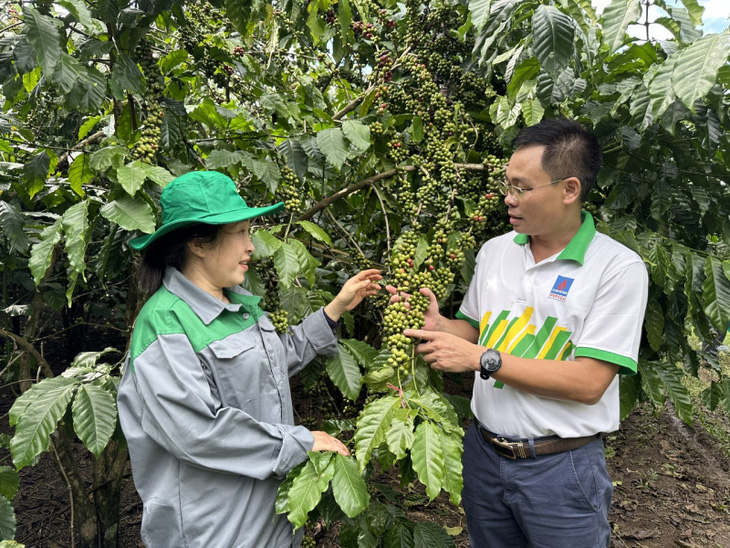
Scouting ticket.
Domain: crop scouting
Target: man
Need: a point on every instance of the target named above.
(560, 309)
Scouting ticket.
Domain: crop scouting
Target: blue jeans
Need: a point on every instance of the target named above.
(550, 501)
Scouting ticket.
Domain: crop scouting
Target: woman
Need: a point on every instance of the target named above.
(204, 400)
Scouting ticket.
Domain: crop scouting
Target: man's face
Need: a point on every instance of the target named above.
(536, 211)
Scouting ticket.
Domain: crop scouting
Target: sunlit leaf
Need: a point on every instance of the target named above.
(348, 486)
(616, 18)
(94, 416)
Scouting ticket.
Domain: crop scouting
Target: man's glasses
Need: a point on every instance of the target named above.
(517, 192)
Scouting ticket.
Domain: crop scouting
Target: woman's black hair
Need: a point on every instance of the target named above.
(169, 250)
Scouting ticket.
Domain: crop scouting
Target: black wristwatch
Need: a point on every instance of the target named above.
(490, 363)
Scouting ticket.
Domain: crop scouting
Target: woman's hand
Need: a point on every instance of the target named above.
(324, 442)
(361, 285)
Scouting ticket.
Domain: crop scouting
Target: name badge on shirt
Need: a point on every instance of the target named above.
(560, 289)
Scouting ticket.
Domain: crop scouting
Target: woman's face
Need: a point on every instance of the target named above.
(224, 261)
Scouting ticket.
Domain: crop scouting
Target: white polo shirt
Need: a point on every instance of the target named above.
(588, 300)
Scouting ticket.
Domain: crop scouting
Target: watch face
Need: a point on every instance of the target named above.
(491, 360)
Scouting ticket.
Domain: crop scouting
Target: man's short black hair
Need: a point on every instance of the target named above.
(570, 150)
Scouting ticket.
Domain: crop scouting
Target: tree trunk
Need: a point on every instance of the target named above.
(108, 473)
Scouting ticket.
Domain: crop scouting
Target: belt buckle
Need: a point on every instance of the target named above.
(510, 449)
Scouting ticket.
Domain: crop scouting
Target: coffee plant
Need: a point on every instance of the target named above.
(384, 128)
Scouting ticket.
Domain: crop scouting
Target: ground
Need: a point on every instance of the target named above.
(672, 489)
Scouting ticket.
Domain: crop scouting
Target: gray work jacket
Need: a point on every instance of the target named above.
(205, 405)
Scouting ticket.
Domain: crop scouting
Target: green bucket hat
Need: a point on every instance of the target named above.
(201, 197)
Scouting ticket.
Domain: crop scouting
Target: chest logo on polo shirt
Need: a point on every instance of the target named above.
(560, 289)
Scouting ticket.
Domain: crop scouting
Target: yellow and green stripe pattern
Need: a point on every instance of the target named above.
(519, 337)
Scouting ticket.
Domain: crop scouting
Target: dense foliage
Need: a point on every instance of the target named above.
(384, 128)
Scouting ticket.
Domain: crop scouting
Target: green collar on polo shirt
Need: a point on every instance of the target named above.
(576, 248)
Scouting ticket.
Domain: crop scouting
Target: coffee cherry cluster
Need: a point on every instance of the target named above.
(308, 542)
(280, 319)
(288, 191)
(145, 149)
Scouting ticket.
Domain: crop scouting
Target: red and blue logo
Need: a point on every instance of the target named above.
(560, 289)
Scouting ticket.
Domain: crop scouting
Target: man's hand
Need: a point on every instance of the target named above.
(432, 317)
(445, 351)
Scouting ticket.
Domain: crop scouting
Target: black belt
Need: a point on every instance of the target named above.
(525, 448)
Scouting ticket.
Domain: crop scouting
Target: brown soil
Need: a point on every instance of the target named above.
(672, 489)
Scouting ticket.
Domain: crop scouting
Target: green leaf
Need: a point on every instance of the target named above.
(240, 14)
(126, 77)
(344, 372)
(35, 172)
(282, 495)
(553, 34)
(616, 18)
(87, 126)
(11, 222)
(9, 482)
(43, 34)
(400, 434)
(315, 23)
(331, 143)
(344, 17)
(307, 488)
(157, 174)
(94, 416)
(363, 353)
(357, 133)
(7, 524)
(307, 262)
(130, 213)
(437, 408)
(24, 55)
(696, 68)
(80, 173)
(348, 486)
(268, 172)
(316, 232)
(35, 415)
(296, 157)
(671, 376)
(221, 158)
(713, 395)
(651, 382)
(170, 132)
(42, 252)
(431, 535)
(286, 262)
(654, 324)
(104, 158)
(372, 426)
(716, 292)
(266, 244)
(695, 11)
(79, 11)
(67, 73)
(131, 176)
(453, 478)
(630, 389)
(75, 223)
(428, 457)
(532, 111)
(479, 10)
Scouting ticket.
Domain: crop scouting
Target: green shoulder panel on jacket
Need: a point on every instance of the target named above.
(167, 314)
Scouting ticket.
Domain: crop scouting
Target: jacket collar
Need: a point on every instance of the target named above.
(205, 305)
